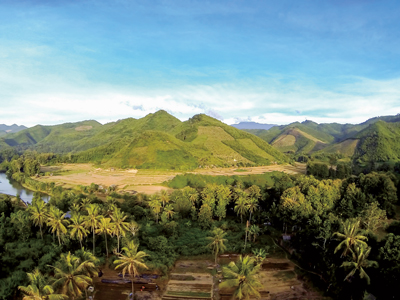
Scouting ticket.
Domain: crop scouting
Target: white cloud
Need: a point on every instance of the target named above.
(28, 100)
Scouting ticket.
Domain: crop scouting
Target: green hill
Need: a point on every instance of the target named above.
(379, 142)
(158, 141)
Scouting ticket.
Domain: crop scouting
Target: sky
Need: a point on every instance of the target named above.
(272, 62)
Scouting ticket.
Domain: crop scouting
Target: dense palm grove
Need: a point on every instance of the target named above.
(332, 225)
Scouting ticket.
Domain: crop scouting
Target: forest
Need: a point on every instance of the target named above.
(341, 228)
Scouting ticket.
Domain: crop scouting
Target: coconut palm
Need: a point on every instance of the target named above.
(71, 276)
(164, 197)
(156, 207)
(57, 222)
(92, 219)
(360, 262)
(217, 242)
(243, 276)
(78, 229)
(88, 261)
(105, 226)
(351, 237)
(131, 261)
(169, 211)
(38, 289)
(252, 205)
(241, 207)
(120, 226)
(38, 212)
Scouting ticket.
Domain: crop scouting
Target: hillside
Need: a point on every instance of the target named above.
(157, 140)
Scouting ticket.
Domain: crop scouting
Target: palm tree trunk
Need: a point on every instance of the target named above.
(93, 239)
(105, 236)
(80, 241)
(41, 233)
(59, 241)
(118, 243)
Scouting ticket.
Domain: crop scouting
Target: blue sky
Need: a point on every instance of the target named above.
(265, 61)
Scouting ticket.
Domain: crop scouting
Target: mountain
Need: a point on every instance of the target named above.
(157, 140)
(375, 140)
(4, 129)
(252, 125)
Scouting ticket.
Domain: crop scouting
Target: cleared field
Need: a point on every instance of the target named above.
(142, 181)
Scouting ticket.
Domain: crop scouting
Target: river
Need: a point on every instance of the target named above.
(13, 188)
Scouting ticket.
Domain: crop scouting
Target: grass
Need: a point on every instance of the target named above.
(240, 170)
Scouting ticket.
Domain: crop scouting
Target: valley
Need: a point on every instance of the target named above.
(70, 176)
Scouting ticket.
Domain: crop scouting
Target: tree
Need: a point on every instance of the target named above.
(164, 197)
(71, 275)
(373, 217)
(38, 289)
(93, 218)
(38, 212)
(217, 242)
(205, 216)
(254, 231)
(260, 254)
(120, 226)
(360, 262)
(351, 237)
(243, 276)
(105, 227)
(131, 261)
(169, 211)
(78, 229)
(57, 222)
(241, 207)
(252, 205)
(156, 207)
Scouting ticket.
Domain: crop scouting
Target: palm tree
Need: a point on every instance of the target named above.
(241, 207)
(105, 227)
(57, 222)
(252, 205)
(243, 276)
(164, 197)
(38, 289)
(38, 213)
(71, 275)
(131, 261)
(120, 226)
(254, 231)
(93, 218)
(156, 207)
(260, 254)
(351, 237)
(217, 242)
(169, 211)
(78, 229)
(360, 262)
(88, 261)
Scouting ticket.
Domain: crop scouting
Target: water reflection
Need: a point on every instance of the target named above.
(13, 188)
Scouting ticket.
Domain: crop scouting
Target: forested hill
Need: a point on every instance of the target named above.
(376, 139)
(157, 140)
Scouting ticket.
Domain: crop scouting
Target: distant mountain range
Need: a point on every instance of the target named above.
(157, 141)
(252, 125)
(161, 141)
(4, 129)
